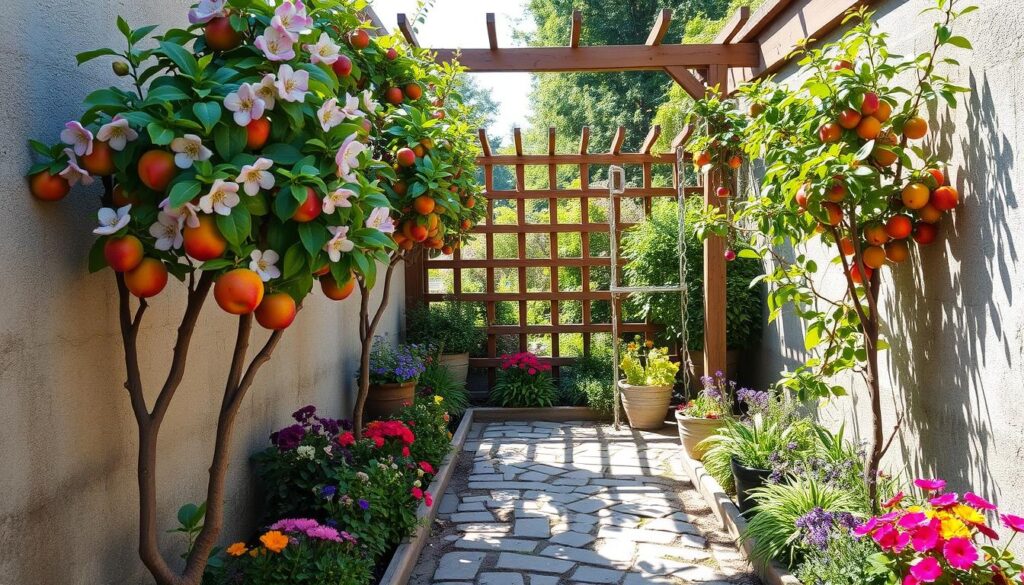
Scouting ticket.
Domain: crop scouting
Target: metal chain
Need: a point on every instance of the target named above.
(684, 337)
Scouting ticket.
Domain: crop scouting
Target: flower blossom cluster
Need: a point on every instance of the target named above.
(307, 424)
(381, 430)
(524, 361)
(312, 529)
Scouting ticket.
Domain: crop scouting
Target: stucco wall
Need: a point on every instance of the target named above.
(954, 312)
(67, 436)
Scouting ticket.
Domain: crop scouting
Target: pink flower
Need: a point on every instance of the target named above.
(532, 371)
(925, 537)
(428, 499)
(206, 11)
(1014, 523)
(930, 485)
(944, 501)
(893, 501)
(276, 43)
(865, 528)
(426, 467)
(405, 452)
(417, 493)
(960, 553)
(78, 137)
(292, 17)
(978, 501)
(912, 520)
(926, 570)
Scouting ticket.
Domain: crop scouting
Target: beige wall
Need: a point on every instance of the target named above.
(955, 312)
(67, 436)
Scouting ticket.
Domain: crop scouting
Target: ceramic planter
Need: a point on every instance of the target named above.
(646, 406)
(747, 479)
(386, 399)
(694, 430)
(457, 365)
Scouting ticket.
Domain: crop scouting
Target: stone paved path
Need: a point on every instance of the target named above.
(564, 503)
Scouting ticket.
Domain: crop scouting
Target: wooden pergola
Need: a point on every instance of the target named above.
(748, 46)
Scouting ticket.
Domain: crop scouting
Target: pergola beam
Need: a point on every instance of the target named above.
(575, 29)
(492, 32)
(682, 137)
(652, 137)
(687, 80)
(405, 26)
(584, 139)
(517, 138)
(728, 32)
(660, 28)
(485, 145)
(551, 140)
(604, 58)
(617, 140)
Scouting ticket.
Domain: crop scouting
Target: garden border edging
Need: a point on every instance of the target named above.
(408, 552)
(729, 515)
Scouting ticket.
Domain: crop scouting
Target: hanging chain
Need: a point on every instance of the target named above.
(684, 297)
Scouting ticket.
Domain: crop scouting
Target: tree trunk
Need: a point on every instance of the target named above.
(367, 327)
(874, 394)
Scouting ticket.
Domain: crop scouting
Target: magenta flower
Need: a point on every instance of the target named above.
(930, 485)
(912, 520)
(893, 501)
(926, 570)
(960, 553)
(978, 501)
(1014, 523)
(866, 528)
(944, 501)
(925, 538)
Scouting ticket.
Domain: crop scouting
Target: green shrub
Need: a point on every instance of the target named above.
(651, 250)
(523, 382)
(846, 560)
(588, 381)
(600, 394)
(436, 380)
(451, 326)
(428, 419)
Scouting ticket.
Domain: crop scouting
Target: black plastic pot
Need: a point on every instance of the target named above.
(747, 479)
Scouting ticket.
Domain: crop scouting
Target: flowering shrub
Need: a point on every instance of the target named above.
(941, 538)
(645, 365)
(295, 550)
(390, 365)
(524, 381)
(428, 418)
(715, 399)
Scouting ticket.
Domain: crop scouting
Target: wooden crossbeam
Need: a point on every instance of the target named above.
(605, 58)
(617, 140)
(405, 25)
(551, 140)
(586, 193)
(728, 32)
(652, 137)
(517, 137)
(575, 28)
(682, 137)
(485, 145)
(584, 139)
(681, 75)
(760, 20)
(661, 25)
(492, 32)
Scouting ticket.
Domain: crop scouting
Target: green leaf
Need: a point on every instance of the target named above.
(105, 97)
(216, 264)
(294, 261)
(164, 93)
(97, 261)
(90, 55)
(257, 204)
(299, 192)
(235, 227)
(183, 192)
(122, 25)
(160, 134)
(181, 57)
(313, 236)
(282, 154)
(865, 151)
(141, 33)
(208, 114)
(229, 140)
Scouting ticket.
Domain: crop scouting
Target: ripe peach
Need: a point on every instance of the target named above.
(830, 132)
(940, 179)
(220, 36)
(405, 157)
(343, 66)
(835, 213)
(146, 279)
(849, 119)
(394, 96)
(846, 247)
(204, 242)
(874, 257)
(801, 196)
(915, 196)
(333, 290)
(837, 192)
(897, 252)
(413, 91)
(400, 188)
(359, 39)
(870, 104)
(418, 233)
(702, 159)
(855, 274)
(925, 233)
(121, 198)
(723, 192)
(869, 128)
(883, 156)
(735, 162)
(47, 187)
(239, 291)
(466, 224)
(391, 54)
(277, 311)
(945, 198)
(424, 204)
(884, 111)
(929, 214)
(419, 150)
(309, 209)
(875, 234)
(156, 169)
(915, 128)
(899, 227)
(123, 253)
(257, 132)
(447, 250)
(100, 161)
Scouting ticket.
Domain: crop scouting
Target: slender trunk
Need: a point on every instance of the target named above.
(367, 327)
(876, 448)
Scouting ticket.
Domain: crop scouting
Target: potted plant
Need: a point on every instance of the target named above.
(647, 388)
(393, 375)
(701, 417)
(524, 382)
(450, 326)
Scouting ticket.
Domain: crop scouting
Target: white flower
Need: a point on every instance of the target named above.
(189, 148)
(246, 105)
(351, 108)
(78, 137)
(380, 219)
(167, 231)
(276, 43)
(187, 214)
(329, 114)
(305, 451)
(338, 198)
(347, 156)
(292, 17)
(338, 243)
(74, 173)
(117, 133)
(291, 84)
(369, 104)
(324, 51)
(206, 11)
(266, 90)
(263, 263)
(112, 221)
(256, 176)
(222, 197)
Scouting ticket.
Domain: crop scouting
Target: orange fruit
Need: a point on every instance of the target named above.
(945, 198)
(855, 274)
(335, 292)
(915, 196)
(47, 187)
(915, 128)
(830, 132)
(875, 235)
(874, 256)
(929, 214)
(239, 291)
(846, 246)
(897, 251)
(423, 204)
(883, 112)
(869, 128)
(849, 119)
(899, 227)
(925, 233)
(835, 213)
(146, 279)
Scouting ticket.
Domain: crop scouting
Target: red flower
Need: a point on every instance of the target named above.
(405, 451)
(417, 493)
(378, 441)
(346, 439)
(426, 467)
(428, 499)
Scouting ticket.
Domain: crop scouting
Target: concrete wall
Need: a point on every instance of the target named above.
(953, 313)
(67, 436)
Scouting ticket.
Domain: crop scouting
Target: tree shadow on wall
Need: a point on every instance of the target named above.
(944, 323)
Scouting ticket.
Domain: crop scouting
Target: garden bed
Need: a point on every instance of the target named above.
(729, 514)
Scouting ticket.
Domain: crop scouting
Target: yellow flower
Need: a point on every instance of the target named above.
(649, 344)
(274, 541)
(968, 514)
(951, 527)
(238, 549)
(631, 347)
(438, 399)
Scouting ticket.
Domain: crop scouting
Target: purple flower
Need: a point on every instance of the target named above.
(331, 426)
(288, 438)
(304, 414)
(328, 491)
(363, 504)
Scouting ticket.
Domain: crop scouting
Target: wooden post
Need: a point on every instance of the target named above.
(714, 264)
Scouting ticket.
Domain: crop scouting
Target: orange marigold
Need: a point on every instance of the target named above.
(238, 549)
(274, 540)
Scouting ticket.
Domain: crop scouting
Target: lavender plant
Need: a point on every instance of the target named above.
(396, 365)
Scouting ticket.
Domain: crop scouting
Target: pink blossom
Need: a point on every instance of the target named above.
(978, 501)
(944, 501)
(925, 537)
(930, 485)
(926, 570)
(292, 17)
(960, 553)
(78, 137)
(912, 520)
(1014, 523)
(276, 43)
(428, 499)
(206, 11)
(893, 501)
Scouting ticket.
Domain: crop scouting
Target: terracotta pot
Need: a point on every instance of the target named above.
(646, 406)
(384, 400)
(457, 365)
(747, 479)
(694, 430)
